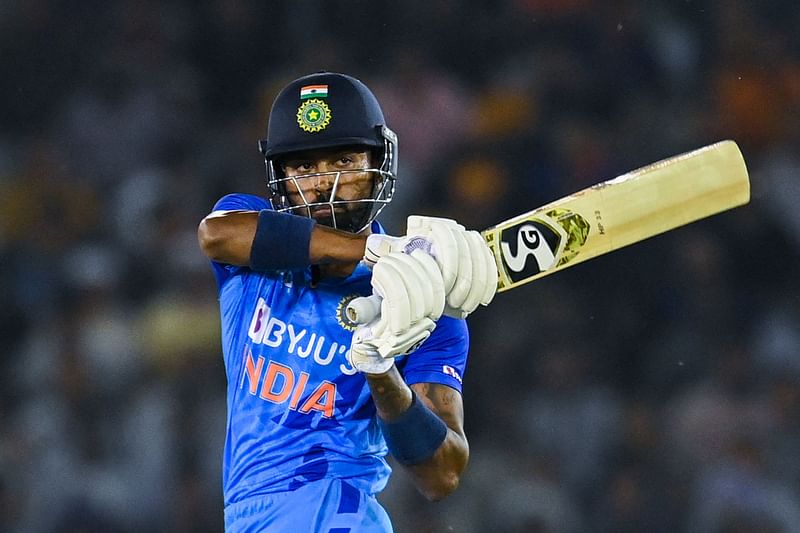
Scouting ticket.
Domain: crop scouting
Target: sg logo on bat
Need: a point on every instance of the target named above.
(530, 247)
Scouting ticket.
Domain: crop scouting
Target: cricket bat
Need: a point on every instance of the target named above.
(616, 213)
(610, 215)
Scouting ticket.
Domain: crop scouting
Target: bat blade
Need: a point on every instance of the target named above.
(616, 213)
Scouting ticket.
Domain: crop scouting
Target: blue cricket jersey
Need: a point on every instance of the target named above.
(297, 411)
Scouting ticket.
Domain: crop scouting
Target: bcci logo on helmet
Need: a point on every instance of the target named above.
(313, 115)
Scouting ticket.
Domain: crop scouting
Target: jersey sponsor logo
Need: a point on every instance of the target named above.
(301, 342)
(278, 383)
(313, 115)
(450, 371)
(528, 248)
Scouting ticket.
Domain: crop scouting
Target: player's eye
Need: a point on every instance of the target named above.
(299, 167)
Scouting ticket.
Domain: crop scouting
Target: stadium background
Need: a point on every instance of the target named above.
(656, 389)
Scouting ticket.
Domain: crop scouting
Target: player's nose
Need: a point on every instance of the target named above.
(324, 183)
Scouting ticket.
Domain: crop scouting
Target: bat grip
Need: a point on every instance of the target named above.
(364, 309)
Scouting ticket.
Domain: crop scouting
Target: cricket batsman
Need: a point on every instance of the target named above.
(317, 395)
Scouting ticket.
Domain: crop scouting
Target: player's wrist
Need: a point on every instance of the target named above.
(281, 241)
(379, 245)
(415, 434)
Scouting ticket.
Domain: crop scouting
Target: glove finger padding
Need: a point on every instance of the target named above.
(436, 281)
(441, 231)
(458, 295)
(446, 252)
(452, 253)
(483, 285)
(411, 288)
(363, 354)
(418, 284)
(373, 348)
(406, 342)
(389, 283)
(468, 267)
(482, 275)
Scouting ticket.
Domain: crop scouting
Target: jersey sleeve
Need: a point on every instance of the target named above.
(234, 202)
(442, 358)
(240, 202)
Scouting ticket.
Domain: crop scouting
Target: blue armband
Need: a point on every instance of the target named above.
(281, 241)
(415, 435)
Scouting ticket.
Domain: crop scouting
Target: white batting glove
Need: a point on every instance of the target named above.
(467, 265)
(373, 349)
(408, 296)
(406, 287)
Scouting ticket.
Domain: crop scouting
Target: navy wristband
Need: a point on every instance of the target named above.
(281, 241)
(415, 435)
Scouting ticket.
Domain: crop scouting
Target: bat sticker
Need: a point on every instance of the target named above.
(530, 247)
(577, 231)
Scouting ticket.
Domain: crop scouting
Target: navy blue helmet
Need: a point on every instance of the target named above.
(322, 111)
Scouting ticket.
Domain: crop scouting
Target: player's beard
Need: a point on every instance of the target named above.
(350, 217)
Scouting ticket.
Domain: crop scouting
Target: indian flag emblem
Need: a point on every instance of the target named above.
(310, 91)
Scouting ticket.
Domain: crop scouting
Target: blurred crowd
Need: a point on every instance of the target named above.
(656, 389)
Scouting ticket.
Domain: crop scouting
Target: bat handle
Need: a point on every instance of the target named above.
(364, 309)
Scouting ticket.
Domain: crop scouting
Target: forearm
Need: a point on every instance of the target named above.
(438, 475)
(228, 238)
(330, 246)
(390, 393)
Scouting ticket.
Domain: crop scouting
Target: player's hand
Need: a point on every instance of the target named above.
(467, 265)
(408, 296)
(410, 286)
(374, 348)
